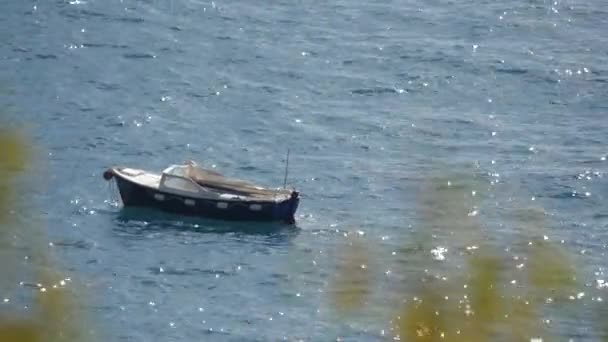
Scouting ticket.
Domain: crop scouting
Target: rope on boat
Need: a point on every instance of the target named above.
(113, 194)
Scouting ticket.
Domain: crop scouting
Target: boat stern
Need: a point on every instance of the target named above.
(293, 203)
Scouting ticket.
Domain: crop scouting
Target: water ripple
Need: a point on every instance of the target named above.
(370, 109)
(139, 55)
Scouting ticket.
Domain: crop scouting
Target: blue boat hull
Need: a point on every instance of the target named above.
(136, 195)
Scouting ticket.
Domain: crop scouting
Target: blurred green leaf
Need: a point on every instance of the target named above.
(486, 300)
(523, 322)
(13, 151)
(549, 269)
(13, 154)
(448, 208)
(421, 319)
(20, 331)
(352, 281)
(53, 316)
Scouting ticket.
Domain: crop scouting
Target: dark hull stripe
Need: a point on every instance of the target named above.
(133, 194)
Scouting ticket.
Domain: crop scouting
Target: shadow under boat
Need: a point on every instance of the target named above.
(139, 219)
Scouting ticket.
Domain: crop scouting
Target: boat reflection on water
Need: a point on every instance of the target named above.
(141, 220)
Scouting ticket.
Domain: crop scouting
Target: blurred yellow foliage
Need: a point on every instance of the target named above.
(549, 268)
(21, 331)
(422, 319)
(12, 160)
(486, 308)
(353, 280)
(52, 317)
(13, 151)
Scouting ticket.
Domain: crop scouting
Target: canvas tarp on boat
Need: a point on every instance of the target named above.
(216, 181)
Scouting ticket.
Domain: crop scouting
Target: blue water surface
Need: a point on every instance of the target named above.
(372, 98)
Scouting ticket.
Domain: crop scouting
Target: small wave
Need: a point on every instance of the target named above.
(421, 56)
(567, 195)
(247, 168)
(558, 102)
(426, 59)
(211, 331)
(115, 124)
(46, 56)
(457, 121)
(374, 91)
(288, 21)
(227, 18)
(102, 45)
(511, 71)
(138, 55)
(197, 95)
(408, 77)
(81, 14)
(599, 80)
(129, 20)
(246, 130)
(105, 86)
(293, 75)
(186, 271)
(89, 13)
(270, 89)
(78, 244)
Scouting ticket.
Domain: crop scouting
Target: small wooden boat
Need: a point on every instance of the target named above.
(188, 189)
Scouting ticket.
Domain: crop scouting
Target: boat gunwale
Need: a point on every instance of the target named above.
(117, 171)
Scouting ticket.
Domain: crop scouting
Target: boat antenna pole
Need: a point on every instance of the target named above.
(286, 169)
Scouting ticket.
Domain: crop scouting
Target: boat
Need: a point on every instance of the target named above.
(188, 189)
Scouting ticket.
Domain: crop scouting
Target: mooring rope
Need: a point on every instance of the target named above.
(113, 193)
